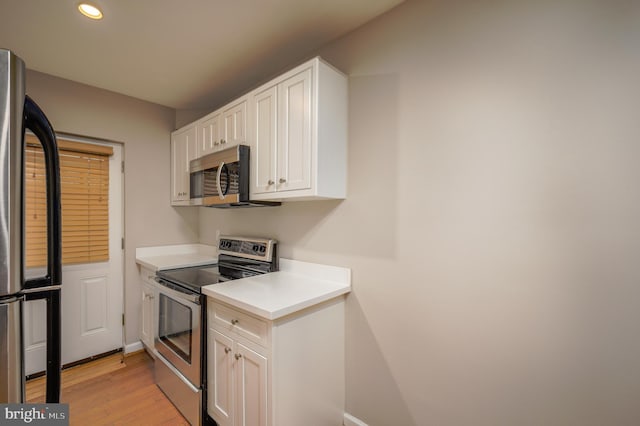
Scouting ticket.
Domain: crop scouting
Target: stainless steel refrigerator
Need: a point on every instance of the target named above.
(17, 113)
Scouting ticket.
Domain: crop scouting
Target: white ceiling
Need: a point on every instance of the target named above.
(184, 54)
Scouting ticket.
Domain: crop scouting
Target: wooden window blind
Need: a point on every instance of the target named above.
(84, 186)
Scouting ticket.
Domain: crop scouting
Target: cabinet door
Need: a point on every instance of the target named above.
(251, 391)
(208, 135)
(220, 378)
(263, 151)
(147, 330)
(183, 150)
(234, 125)
(294, 139)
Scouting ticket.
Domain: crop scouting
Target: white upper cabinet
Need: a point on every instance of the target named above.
(183, 150)
(299, 139)
(223, 128)
(296, 128)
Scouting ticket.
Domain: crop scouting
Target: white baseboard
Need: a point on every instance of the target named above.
(349, 420)
(133, 347)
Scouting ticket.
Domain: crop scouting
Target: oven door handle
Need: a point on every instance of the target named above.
(178, 295)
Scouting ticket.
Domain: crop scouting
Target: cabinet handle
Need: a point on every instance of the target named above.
(223, 141)
(234, 321)
(216, 142)
(148, 296)
(227, 350)
(270, 182)
(282, 180)
(238, 356)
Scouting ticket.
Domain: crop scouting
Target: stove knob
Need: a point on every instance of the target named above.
(255, 248)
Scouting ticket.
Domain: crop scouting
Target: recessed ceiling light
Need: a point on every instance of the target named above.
(90, 11)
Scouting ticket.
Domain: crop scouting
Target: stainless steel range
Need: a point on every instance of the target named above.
(181, 310)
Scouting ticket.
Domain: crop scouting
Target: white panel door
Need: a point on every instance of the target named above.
(147, 331)
(208, 135)
(220, 378)
(92, 295)
(263, 152)
(235, 125)
(251, 382)
(294, 147)
(183, 150)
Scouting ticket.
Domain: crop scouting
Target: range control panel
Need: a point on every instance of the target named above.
(251, 248)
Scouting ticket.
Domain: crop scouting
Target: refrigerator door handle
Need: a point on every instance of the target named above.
(37, 122)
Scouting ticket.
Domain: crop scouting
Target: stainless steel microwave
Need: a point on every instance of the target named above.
(221, 179)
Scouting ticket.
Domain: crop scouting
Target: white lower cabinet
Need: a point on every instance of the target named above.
(285, 372)
(147, 328)
(237, 382)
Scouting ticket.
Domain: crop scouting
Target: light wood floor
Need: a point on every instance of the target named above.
(108, 392)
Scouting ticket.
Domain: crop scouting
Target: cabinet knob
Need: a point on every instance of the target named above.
(270, 182)
(282, 180)
(234, 321)
(227, 350)
(238, 356)
(223, 141)
(216, 142)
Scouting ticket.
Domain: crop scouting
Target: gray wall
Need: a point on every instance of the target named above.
(492, 217)
(144, 130)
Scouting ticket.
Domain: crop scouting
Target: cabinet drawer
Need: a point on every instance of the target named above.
(225, 318)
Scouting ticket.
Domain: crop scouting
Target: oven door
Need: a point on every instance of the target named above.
(179, 330)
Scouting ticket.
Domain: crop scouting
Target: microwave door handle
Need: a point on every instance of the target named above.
(37, 122)
(218, 176)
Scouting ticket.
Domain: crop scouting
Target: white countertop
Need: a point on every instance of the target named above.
(298, 285)
(176, 256)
